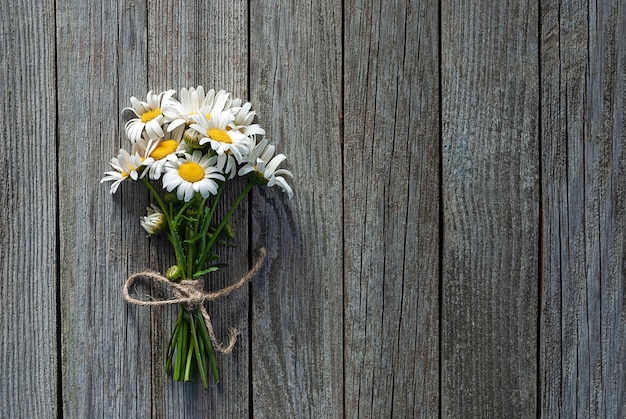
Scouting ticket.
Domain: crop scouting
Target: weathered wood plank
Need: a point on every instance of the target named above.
(28, 247)
(391, 205)
(583, 356)
(354, 255)
(490, 204)
(297, 341)
(106, 362)
(195, 43)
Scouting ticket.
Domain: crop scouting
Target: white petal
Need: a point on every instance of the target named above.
(285, 186)
(273, 164)
(245, 170)
(175, 124)
(115, 185)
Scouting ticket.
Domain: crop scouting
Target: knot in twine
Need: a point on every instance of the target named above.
(191, 294)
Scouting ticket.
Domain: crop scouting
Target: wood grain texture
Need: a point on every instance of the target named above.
(28, 247)
(490, 205)
(391, 202)
(583, 355)
(297, 322)
(455, 246)
(195, 43)
(105, 345)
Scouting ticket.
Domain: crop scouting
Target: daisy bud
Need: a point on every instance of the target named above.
(173, 273)
(229, 231)
(197, 199)
(171, 198)
(154, 222)
(192, 138)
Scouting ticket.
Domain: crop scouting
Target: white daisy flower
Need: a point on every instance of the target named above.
(262, 167)
(161, 151)
(154, 222)
(190, 102)
(193, 101)
(149, 114)
(218, 102)
(192, 173)
(230, 145)
(125, 165)
(243, 118)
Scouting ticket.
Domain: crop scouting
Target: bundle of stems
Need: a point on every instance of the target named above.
(193, 233)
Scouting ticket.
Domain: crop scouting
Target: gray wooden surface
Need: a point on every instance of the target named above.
(490, 184)
(583, 328)
(455, 246)
(391, 207)
(29, 304)
(297, 322)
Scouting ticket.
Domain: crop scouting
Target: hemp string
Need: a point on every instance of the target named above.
(191, 294)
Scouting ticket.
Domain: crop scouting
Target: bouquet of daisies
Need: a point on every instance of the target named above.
(185, 151)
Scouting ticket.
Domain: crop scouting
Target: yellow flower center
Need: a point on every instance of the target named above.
(125, 174)
(191, 171)
(164, 149)
(219, 135)
(150, 115)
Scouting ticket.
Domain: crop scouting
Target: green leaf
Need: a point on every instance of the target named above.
(205, 271)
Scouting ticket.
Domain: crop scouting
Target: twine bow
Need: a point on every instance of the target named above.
(191, 294)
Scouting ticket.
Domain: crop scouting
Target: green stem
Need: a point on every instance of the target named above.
(182, 211)
(180, 349)
(199, 354)
(188, 269)
(172, 225)
(215, 201)
(192, 231)
(190, 247)
(217, 232)
(202, 349)
(188, 366)
(171, 345)
(158, 198)
(204, 334)
(205, 226)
